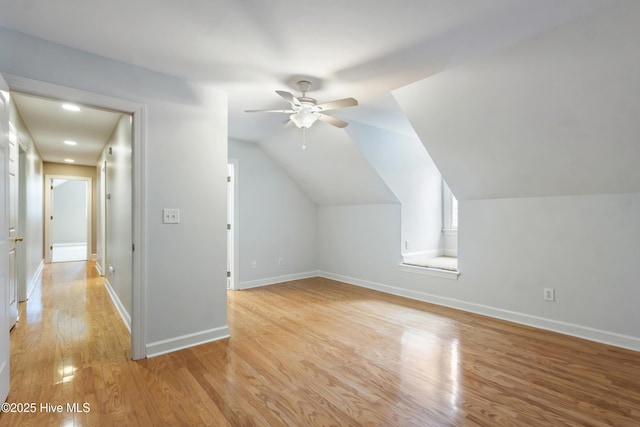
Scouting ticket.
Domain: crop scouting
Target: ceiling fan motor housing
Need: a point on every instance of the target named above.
(304, 86)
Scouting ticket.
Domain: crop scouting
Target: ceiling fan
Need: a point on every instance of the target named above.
(305, 111)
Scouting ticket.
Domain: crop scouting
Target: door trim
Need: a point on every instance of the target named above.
(235, 223)
(138, 174)
(22, 221)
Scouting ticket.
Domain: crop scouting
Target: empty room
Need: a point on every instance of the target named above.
(390, 213)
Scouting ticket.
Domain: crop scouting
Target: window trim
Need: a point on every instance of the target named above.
(426, 271)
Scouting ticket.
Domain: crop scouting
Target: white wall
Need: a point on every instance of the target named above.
(186, 157)
(405, 166)
(510, 249)
(530, 139)
(118, 220)
(34, 231)
(554, 115)
(586, 247)
(332, 170)
(360, 242)
(276, 219)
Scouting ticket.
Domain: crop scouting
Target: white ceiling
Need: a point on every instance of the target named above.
(50, 125)
(249, 49)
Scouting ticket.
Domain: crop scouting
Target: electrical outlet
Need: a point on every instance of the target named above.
(254, 264)
(549, 294)
(281, 261)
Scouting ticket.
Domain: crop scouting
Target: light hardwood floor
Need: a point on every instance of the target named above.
(311, 352)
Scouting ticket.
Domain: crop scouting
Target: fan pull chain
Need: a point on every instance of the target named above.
(304, 138)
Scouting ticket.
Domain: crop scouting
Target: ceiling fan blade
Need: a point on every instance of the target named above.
(332, 120)
(338, 103)
(289, 97)
(270, 111)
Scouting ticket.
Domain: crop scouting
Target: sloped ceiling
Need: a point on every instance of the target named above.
(554, 115)
(359, 48)
(331, 170)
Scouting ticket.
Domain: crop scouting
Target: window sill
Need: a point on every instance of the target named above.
(428, 271)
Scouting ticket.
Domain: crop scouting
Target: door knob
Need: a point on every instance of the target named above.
(17, 239)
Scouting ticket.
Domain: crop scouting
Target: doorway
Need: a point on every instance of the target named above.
(137, 180)
(68, 218)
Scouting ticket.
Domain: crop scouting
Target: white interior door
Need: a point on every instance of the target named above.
(14, 160)
(4, 240)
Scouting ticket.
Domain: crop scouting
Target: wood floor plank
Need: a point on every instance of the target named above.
(313, 352)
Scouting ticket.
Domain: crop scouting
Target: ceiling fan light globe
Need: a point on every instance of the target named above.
(304, 119)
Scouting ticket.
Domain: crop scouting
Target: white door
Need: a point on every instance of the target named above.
(14, 161)
(4, 240)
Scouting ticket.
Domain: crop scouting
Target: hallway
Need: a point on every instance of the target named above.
(70, 346)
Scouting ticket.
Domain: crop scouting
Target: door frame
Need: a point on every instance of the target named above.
(232, 220)
(48, 212)
(139, 205)
(101, 255)
(22, 221)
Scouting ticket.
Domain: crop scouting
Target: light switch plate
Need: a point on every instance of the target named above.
(170, 216)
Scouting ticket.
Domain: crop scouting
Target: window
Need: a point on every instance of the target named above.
(449, 209)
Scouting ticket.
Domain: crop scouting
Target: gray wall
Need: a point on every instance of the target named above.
(118, 219)
(276, 220)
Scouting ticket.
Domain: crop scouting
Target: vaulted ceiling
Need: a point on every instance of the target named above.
(451, 72)
(554, 115)
(251, 48)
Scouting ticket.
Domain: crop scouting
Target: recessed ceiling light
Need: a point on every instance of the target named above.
(69, 160)
(69, 142)
(70, 107)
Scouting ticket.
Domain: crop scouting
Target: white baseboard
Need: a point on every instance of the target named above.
(100, 272)
(34, 280)
(67, 245)
(450, 252)
(190, 340)
(126, 318)
(279, 279)
(605, 337)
